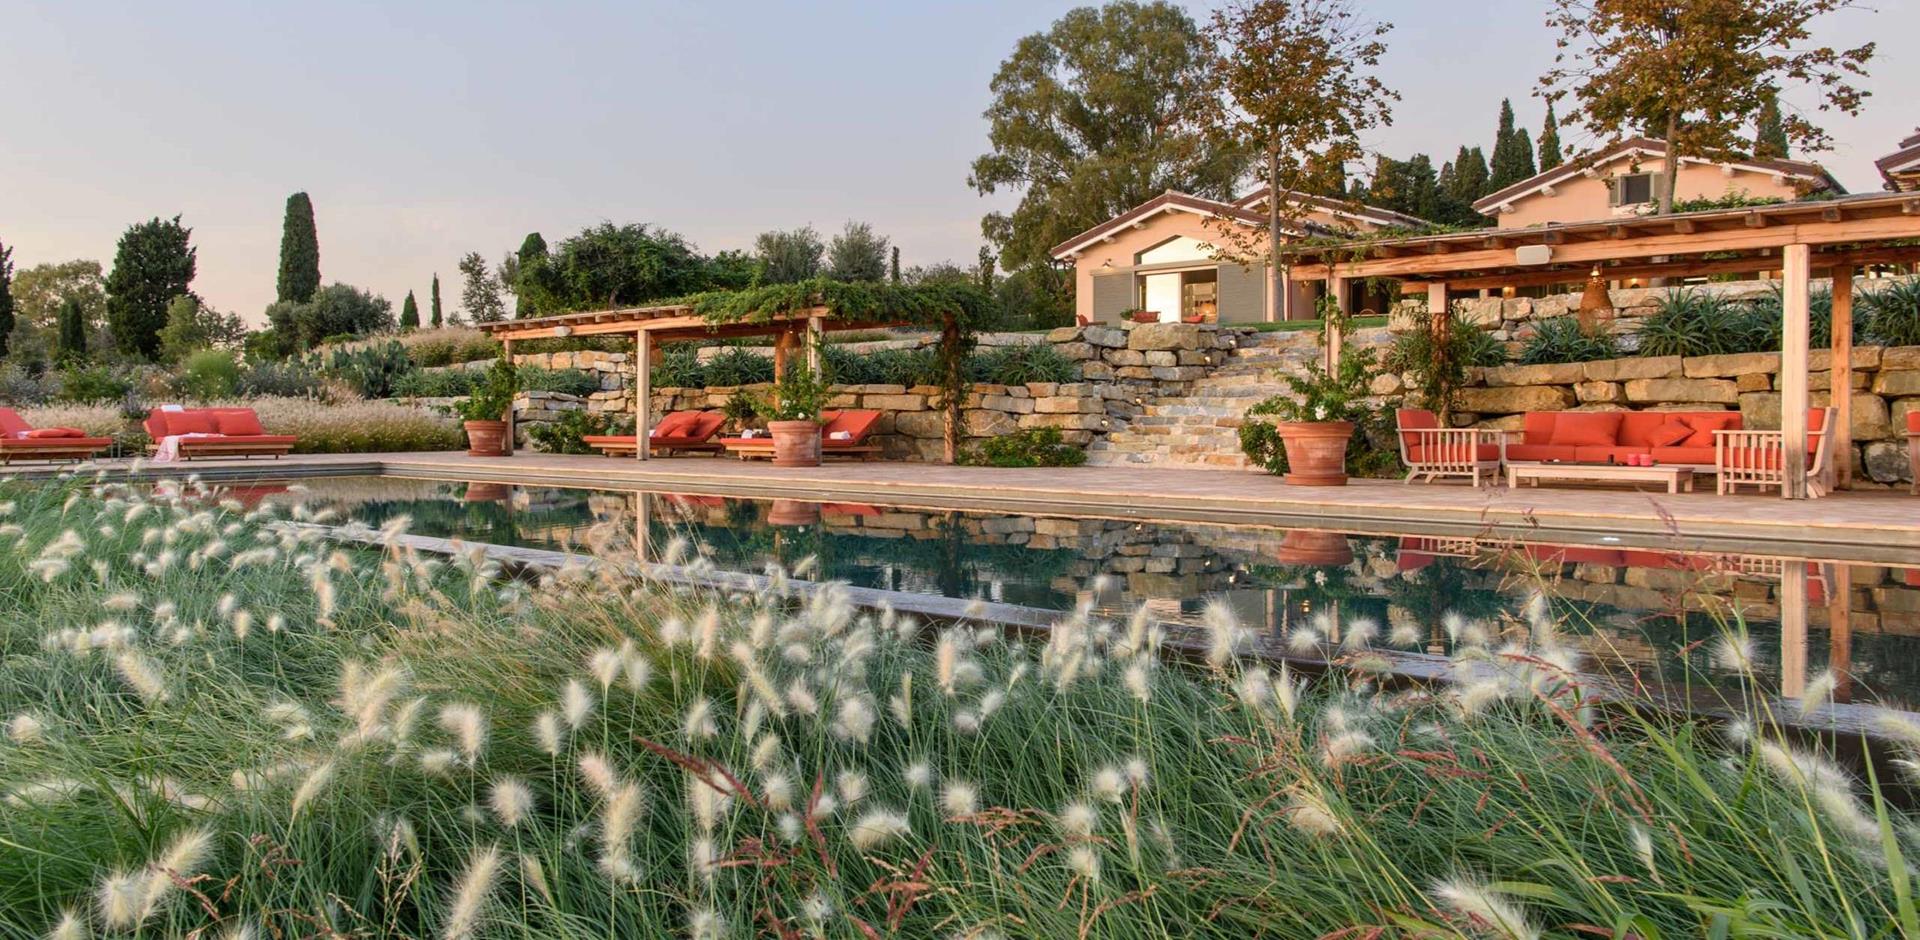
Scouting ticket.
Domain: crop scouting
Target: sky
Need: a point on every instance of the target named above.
(429, 128)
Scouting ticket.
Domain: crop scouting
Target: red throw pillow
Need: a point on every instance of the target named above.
(1669, 434)
(238, 423)
(191, 422)
(56, 432)
(1585, 429)
(1704, 425)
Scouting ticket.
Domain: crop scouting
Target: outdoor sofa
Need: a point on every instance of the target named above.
(187, 433)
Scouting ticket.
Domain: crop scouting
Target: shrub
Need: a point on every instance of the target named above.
(1893, 314)
(436, 383)
(209, 373)
(1318, 396)
(907, 367)
(1029, 447)
(449, 346)
(564, 436)
(91, 385)
(20, 386)
(565, 381)
(1437, 367)
(493, 396)
(281, 380)
(1018, 365)
(679, 367)
(369, 370)
(1560, 339)
(1759, 326)
(1695, 323)
(736, 366)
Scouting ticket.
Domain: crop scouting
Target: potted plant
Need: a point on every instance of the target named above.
(485, 410)
(793, 417)
(1315, 422)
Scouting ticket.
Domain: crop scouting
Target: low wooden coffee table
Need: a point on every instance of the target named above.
(1676, 477)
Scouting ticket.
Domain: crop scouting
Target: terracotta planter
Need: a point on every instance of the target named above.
(793, 512)
(486, 438)
(487, 492)
(1316, 451)
(795, 443)
(1313, 547)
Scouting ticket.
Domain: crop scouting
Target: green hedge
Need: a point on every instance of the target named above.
(999, 365)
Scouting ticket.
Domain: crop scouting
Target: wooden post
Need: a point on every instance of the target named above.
(1840, 388)
(1840, 631)
(1338, 285)
(813, 346)
(1793, 371)
(506, 352)
(782, 348)
(642, 393)
(1793, 628)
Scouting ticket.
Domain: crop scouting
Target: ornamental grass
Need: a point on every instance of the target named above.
(221, 723)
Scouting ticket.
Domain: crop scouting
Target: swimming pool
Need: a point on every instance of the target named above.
(1653, 616)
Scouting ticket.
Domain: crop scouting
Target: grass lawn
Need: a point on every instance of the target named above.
(220, 724)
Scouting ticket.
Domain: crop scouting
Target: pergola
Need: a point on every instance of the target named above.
(1833, 238)
(650, 326)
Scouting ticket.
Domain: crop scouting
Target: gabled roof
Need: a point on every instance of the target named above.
(1340, 208)
(1649, 147)
(1240, 210)
(1169, 201)
(1902, 162)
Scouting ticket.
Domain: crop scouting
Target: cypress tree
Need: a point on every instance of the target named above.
(299, 251)
(894, 274)
(436, 301)
(1550, 155)
(1770, 134)
(153, 264)
(70, 343)
(1512, 151)
(6, 298)
(409, 314)
(1470, 176)
(1523, 154)
(533, 256)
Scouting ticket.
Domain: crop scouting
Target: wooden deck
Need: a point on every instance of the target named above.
(1881, 526)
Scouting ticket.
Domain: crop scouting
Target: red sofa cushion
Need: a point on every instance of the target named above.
(237, 422)
(1697, 456)
(191, 422)
(1705, 423)
(1545, 452)
(1601, 428)
(1536, 427)
(1637, 427)
(1669, 435)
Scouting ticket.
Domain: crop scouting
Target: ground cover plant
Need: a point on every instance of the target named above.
(219, 723)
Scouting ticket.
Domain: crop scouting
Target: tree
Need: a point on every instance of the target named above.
(1769, 133)
(857, 254)
(893, 269)
(40, 291)
(1698, 71)
(523, 276)
(6, 297)
(1091, 118)
(335, 310)
(409, 314)
(983, 271)
(1292, 81)
(153, 264)
(731, 269)
(607, 266)
(1512, 159)
(1550, 153)
(1410, 186)
(1470, 177)
(193, 326)
(789, 257)
(436, 321)
(480, 291)
(71, 343)
(299, 251)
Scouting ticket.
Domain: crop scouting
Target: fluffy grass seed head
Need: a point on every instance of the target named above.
(471, 894)
(512, 801)
(877, 828)
(576, 703)
(960, 798)
(1490, 914)
(1079, 819)
(468, 725)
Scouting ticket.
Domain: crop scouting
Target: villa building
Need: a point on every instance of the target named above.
(1160, 260)
(1901, 168)
(1625, 179)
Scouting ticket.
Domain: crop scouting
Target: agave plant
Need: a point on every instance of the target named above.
(1893, 313)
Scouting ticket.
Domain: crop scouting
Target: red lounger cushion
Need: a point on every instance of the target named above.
(848, 428)
(592, 439)
(12, 425)
(56, 432)
(669, 425)
(51, 443)
(1586, 429)
(1544, 452)
(237, 422)
(698, 426)
(1455, 452)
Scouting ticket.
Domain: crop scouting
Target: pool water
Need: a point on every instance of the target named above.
(1654, 615)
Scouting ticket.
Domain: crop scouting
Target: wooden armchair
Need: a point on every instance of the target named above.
(1431, 451)
(1755, 457)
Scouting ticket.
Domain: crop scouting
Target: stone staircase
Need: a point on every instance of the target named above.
(1199, 425)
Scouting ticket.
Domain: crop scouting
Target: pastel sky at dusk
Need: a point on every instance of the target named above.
(427, 129)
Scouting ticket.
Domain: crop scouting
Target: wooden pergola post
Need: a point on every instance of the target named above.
(642, 393)
(813, 347)
(782, 349)
(1335, 337)
(1797, 272)
(506, 352)
(1840, 388)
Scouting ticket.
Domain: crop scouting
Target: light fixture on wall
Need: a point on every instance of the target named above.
(563, 331)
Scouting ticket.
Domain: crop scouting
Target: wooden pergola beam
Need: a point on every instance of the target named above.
(1686, 267)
